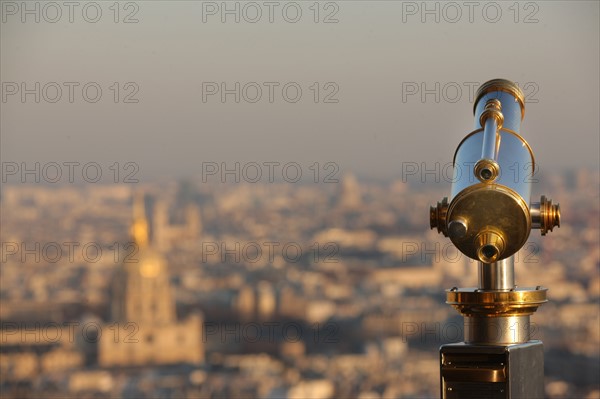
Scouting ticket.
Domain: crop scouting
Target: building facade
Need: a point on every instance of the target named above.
(144, 328)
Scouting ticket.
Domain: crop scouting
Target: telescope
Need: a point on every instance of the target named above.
(488, 217)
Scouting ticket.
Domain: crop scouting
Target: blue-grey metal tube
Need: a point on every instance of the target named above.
(489, 139)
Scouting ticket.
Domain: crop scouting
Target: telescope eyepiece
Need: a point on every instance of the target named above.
(486, 170)
(490, 246)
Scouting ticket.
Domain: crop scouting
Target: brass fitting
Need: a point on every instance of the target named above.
(473, 302)
(494, 230)
(490, 246)
(493, 108)
(545, 215)
(486, 170)
(437, 216)
(549, 215)
(501, 85)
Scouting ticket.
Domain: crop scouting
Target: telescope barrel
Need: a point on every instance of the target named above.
(488, 216)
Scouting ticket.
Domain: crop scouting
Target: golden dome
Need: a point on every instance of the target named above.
(151, 263)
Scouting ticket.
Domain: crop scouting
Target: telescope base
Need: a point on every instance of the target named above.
(492, 371)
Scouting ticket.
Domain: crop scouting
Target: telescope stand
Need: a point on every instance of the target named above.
(497, 358)
(489, 218)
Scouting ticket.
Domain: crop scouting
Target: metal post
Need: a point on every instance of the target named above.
(499, 275)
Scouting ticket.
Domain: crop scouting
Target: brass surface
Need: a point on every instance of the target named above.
(491, 373)
(476, 302)
(493, 108)
(501, 85)
(549, 214)
(490, 245)
(437, 216)
(496, 216)
(486, 170)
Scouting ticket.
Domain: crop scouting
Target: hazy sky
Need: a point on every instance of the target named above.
(369, 60)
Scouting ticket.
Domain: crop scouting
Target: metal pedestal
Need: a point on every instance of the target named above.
(492, 371)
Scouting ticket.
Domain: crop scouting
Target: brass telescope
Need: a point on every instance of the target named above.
(489, 217)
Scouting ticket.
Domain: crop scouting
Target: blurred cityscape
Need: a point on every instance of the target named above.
(189, 289)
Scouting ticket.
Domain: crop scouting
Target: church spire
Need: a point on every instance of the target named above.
(139, 228)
